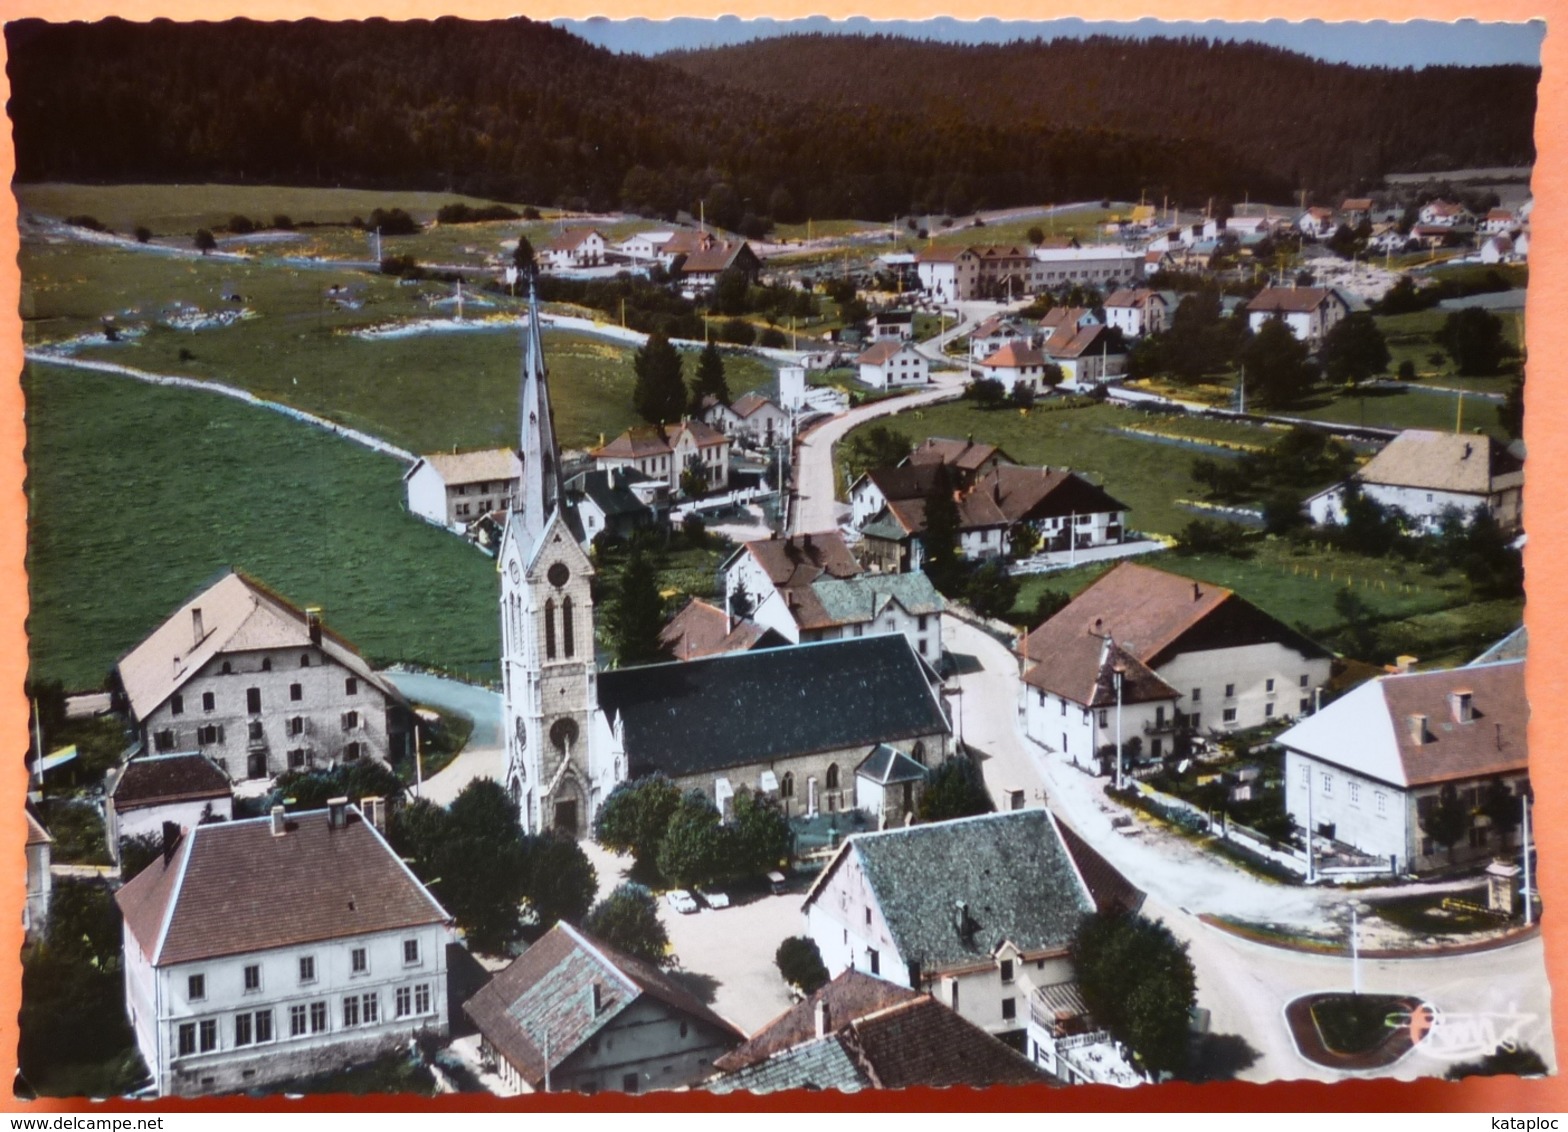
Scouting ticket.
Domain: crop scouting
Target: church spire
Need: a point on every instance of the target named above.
(540, 490)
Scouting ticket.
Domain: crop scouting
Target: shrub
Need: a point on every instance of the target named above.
(738, 331)
(143, 234)
(773, 339)
(91, 223)
(800, 962)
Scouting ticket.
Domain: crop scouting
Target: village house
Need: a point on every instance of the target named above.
(703, 265)
(877, 487)
(574, 248)
(1233, 665)
(573, 1014)
(186, 789)
(645, 247)
(1140, 311)
(273, 949)
(1099, 265)
(893, 364)
(752, 418)
(664, 453)
(1369, 769)
(949, 274)
(616, 502)
(1067, 511)
(702, 629)
(858, 1032)
(895, 326)
(1086, 355)
(35, 910)
(997, 331)
(453, 489)
(1353, 210)
(1498, 249)
(965, 459)
(1316, 223)
(980, 912)
(1016, 366)
(1310, 312)
(1499, 221)
(1446, 214)
(1426, 474)
(258, 685)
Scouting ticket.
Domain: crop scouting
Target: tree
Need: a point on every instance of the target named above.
(1139, 983)
(691, 853)
(1035, 235)
(1022, 396)
(1448, 820)
(634, 817)
(737, 331)
(1277, 367)
(954, 789)
(1356, 622)
(1502, 809)
(1354, 350)
(204, 241)
(634, 616)
(759, 834)
(523, 257)
(1473, 338)
(136, 853)
(1048, 605)
(694, 478)
(313, 789)
(628, 919)
(1025, 541)
(986, 392)
(659, 394)
(990, 590)
(729, 291)
(940, 540)
(143, 234)
(800, 962)
(474, 855)
(1283, 512)
(561, 880)
(709, 380)
(875, 447)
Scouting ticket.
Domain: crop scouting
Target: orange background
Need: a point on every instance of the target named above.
(1546, 558)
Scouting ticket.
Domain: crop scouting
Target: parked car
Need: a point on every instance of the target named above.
(681, 901)
(713, 899)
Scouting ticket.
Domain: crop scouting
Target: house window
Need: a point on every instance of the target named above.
(1197, 695)
(252, 977)
(422, 999)
(1007, 970)
(208, 701)
(1381, 802)
(630, 1083)
(1304, 682)
(868, 917)
(1064, 706)
(371, 1006)
(307, 968)
(1105, 717)
(358, 961)
(242, 1030)
(787, 785)
(351, 686)
(873, 961)
(187, 1038)
(1009, 1009)
(226, 670)
(253, 700)
(832, 776)
(176, 704)
(955, 994)
(350, 1010)
(1355, 793)
(196, 988)
(1230, 691)
(207, 1035)
(297, 758)
(1268, 685)
(296, 692)
(410, 952)
(164, 740)
(1268, 711)
(318, 1017)
(255, 731)
(304, 661)
(296, 1021)
(266, 664)
(1159, 716)
(350, 721)
(403, 1002)
(922, 623)
(350, 751)
(1196, 719)
(1304, 706)
(1229, 715)
(263, 1026)
(549, 629)
(1328, 785)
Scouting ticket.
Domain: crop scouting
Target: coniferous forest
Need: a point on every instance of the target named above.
(784, 128)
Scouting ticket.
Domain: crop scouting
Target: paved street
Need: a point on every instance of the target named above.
(483, 757)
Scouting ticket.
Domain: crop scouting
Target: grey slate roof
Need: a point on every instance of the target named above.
(610, 493)
(862, 597)
(819, 1064)
(1011, 870)
(742, 708)
(888, 765)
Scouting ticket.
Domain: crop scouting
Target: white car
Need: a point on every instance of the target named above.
(681, 901)
(713, 899)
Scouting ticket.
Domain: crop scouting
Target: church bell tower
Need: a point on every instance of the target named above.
(549, 679)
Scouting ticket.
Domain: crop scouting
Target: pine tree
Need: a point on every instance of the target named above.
(710, 380)
(659, 395)
(942, 562)
(636, 612)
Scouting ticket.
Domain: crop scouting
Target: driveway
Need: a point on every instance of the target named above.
(484, 756)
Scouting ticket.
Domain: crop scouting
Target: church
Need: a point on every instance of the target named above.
(798, 724)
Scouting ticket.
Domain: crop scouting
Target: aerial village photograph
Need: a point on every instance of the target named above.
(617, 557)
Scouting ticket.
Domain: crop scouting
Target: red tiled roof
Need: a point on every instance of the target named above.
(1289, 299)
(881, 352)
(155, 780)
(1080, 667)
(749, 403)
(1127, 297)
(714, 258)
(907, 481)
(965, 455)
(1074, 342)
(852, 995)
(1029, 494)
(233, 887)
(635, 444)
(1014, 354)
(1492, 742)
(793, 563)
(700, 629)
(571, 239)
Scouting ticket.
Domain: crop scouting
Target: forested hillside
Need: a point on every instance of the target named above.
(1316, 125)
(523, 111)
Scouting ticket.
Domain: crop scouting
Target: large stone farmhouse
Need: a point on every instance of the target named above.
(453, 489)
(792, 722)
(1191, 655)
(258, 685)
(265, 950)
(1369, 769)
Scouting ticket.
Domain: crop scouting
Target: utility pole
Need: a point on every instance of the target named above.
(419, 764)
(1116, 675)
(1529, 899)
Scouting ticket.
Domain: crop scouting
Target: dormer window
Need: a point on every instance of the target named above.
(1460, 705)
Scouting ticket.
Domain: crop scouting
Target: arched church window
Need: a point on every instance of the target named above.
(568, 640)
(517, 792)
(549, 629)
(919, 753)
(833, 776)
(787, 785)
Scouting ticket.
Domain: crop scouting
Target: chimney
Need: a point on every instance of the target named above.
(961, 918)
(820, 1015)
(337, 813)
(1403, 664)
(278, 821)
(375, 810)
(196, 629)
(1417, 724)
(171, 840)
(597, 990)
(1460, 706)
(313, 623)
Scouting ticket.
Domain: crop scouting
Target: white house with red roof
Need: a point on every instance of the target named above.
(1085, 355)
(664, 453)
(576, 247)
(1016, 364)
(1442, 213)
(262, 951)
(1310, 312)
(1370, 767)
(1316, 222)
(893, 364)
(751, 416)
(453, 489)
(1139, 311)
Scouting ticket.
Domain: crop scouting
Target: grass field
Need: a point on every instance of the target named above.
(1404, 408)
(139, 495)
(822, 229)
(1083, 223)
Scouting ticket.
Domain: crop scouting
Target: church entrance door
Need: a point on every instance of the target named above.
(566, 817)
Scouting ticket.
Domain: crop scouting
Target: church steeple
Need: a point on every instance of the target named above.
(541, 489)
